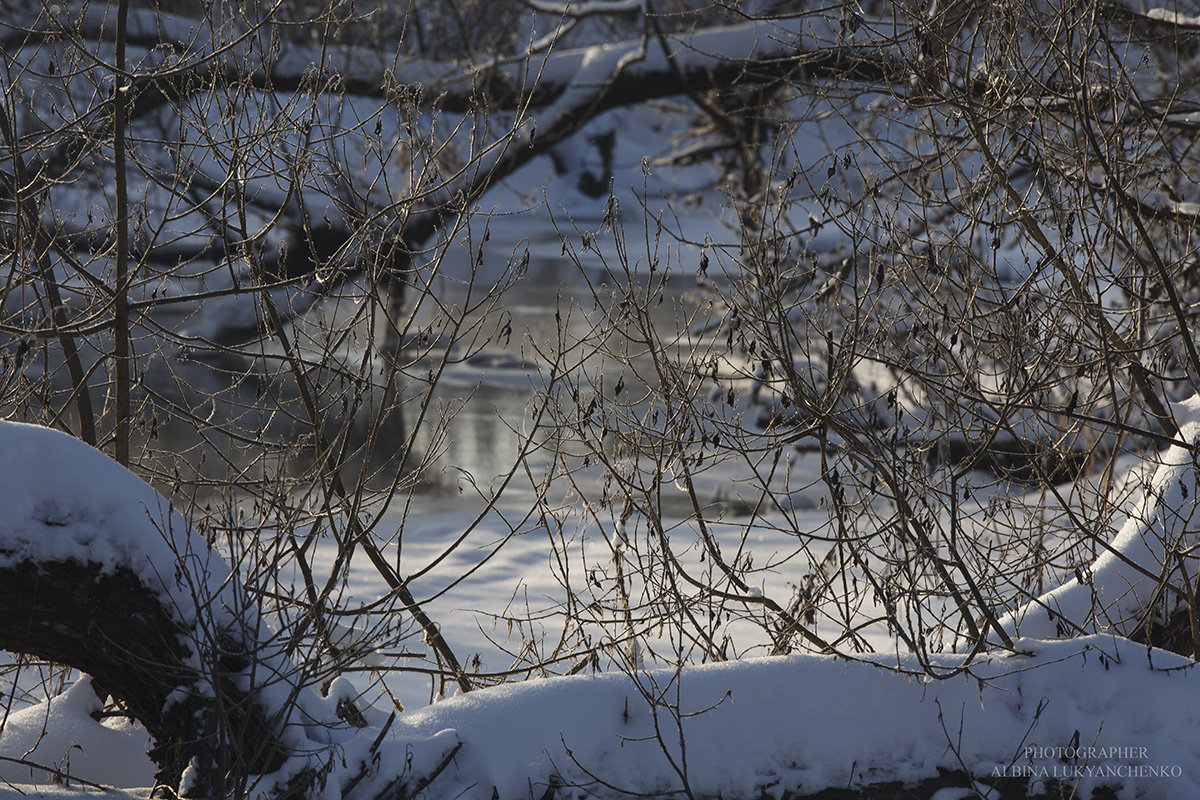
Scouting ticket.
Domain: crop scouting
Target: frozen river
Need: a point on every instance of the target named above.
(471, 433)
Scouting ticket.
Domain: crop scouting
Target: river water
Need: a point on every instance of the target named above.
(470, 429)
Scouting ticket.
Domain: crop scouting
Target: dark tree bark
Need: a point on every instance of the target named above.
(116, 629)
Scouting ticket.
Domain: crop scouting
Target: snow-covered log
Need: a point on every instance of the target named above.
(1139, 585)
(1054, 718)
(98, 572)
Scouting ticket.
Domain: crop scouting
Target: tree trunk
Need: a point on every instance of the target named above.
(111, 626)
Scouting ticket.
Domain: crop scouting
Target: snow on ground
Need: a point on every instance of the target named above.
(1090, 711)
(63, 735)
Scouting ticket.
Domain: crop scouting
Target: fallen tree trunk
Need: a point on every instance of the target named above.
(116, 629)
(98, 573)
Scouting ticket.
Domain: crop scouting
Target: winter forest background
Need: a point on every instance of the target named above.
(609, 398)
